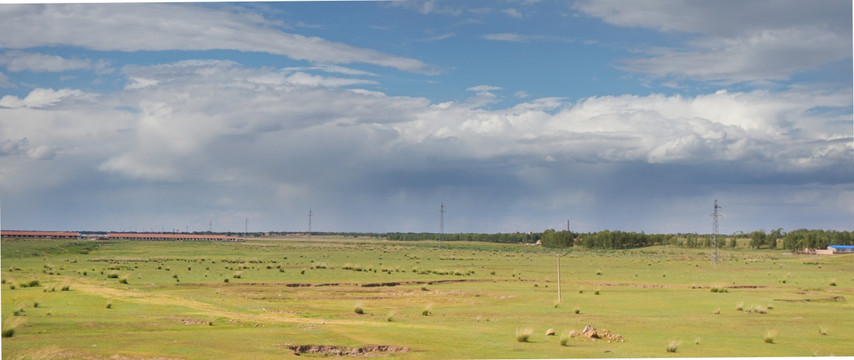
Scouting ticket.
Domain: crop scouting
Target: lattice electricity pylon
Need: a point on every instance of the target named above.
(715, 245)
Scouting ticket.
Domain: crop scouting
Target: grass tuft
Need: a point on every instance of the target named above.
(564, 339)
(822, 330)
(524, 335)
(10, 325)
(673, 345)
(770, 335)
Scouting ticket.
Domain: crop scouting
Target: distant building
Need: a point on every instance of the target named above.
(836, 249)
(841, 249)
(171, 236)
(40, 234)
(129, 236)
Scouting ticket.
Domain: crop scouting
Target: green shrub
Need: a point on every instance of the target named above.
(123, 281)
(359, 310)
(112, 276)
(65, 288)
(109, 305)
(7, 333)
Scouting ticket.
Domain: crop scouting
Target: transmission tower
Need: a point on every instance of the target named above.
(246, 226)
(715, 245)
(442, 221)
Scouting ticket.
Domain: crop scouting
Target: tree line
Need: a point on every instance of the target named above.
(795, 240)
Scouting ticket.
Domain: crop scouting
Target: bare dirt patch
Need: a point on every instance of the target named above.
(819, 300)
(335, 350)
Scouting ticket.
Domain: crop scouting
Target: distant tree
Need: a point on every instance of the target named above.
(556, 239)
(772, 238)
(732, 242)
(757, 238)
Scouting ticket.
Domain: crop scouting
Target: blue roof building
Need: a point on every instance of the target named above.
(841, 249)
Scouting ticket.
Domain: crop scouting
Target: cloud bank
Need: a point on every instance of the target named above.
(218, 124)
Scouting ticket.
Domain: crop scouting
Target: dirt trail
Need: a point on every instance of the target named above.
(160, 298)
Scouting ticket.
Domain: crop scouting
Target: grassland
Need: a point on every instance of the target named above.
(262, 298)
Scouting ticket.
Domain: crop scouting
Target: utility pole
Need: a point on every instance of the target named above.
(567, 225)
(715, 245)
(558, 272)
(442, 221)
(309, 224)
(210, 226)
(246, 226)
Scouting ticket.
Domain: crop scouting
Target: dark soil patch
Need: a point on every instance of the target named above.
(335, 350)
(819, 300)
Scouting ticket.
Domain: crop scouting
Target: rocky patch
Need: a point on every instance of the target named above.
(335, 350)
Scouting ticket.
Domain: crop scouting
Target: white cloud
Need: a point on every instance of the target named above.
(40, 98)
(481, 88)
(511, 12)
(5, 82)
(735, 41)
(17, 61)
(511, 37)
(129, 27)
(427, 7)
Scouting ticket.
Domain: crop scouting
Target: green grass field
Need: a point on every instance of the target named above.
(200, 300)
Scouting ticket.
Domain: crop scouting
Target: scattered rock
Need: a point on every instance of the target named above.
(334, 350)
(591, 333)
(550, 332)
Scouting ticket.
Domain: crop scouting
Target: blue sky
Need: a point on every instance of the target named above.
(518, 115)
